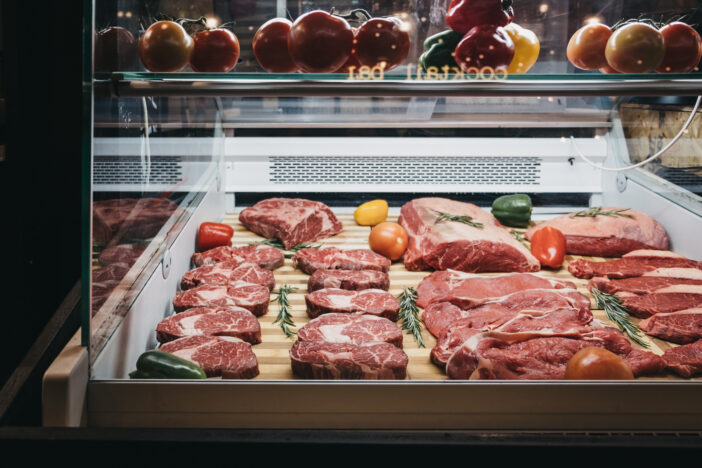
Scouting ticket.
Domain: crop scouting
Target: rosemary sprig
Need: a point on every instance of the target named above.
(279, 245)
(618, 314)
(465, 219)
(520, 237)
(284, 316)
(409, 313)
(597, 211)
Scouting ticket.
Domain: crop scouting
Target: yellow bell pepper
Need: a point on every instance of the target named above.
(371, 213)
(526, 48)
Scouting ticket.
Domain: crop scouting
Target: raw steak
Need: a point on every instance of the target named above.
(443, 285)
(682, 327)
(252, 297)
(228, 273)
(630, 265)
(685, 360)
(348, 279)
(264, 256)
(122, 253)
(367, 301)
(368, 361)
(351, 328)
(292, 220)
(607, 236)
(647, 283)
(130, 218)
(664, 300)
(227, 356)
(210, 321)
(443, 245)
(331, 258)
(112, 272)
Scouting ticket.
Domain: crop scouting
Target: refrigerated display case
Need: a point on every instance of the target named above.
(165, 152)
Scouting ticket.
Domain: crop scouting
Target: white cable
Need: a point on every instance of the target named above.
(645, 161)
(146, 142)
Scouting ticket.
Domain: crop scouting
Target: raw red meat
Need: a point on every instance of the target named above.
(252, 297)
(112, 272)
(664, 300)
(331, 258)
(443, 245)
(130, 218)
(607, 236)
(227, 356)
(348, 279)
(367, 301)
(122, 253)
(685, 360)
(292, 220)
(633, 264)
(210, 321)
(264, 256)
(682, 326)
(368, 361)
(647, 284)
(351, 328)
(227, 273)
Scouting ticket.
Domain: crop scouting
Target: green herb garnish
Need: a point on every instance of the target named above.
(520, 237)
(597, 211)
(618, 314)
(465, 219)
(279, 245)
(284, 316)
(409, 313)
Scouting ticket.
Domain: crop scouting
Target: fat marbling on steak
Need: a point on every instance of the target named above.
(331, 258)
(446, 244)
(224, 356)
(252, 297)
(291, 220)
(682, 326)
(685, 360)
(367, 301)
(210, 321)
(228, 273)
(368, 361)
(637, 263)
(351, 328)
(264, 256)
(348, 279)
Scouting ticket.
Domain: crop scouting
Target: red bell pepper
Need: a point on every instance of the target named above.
(464, 15)
(213, 235)
(548, 245)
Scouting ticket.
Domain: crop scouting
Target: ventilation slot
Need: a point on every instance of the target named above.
(131, 170)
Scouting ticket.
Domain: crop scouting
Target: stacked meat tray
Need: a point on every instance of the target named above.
(504, 319)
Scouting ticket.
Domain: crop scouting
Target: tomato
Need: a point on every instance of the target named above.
(548, 245)
(594, 363)
(635, 48)
(586, 48)
(526, 48)
(485, 46)
(115, 49)
(211, 235)
(683, 48)
(371, 213)
(382, 41)
(165, 47)
(607, 69)
(270, 46)
(464, 15)
(388, 239)
(319, 42)
(215, 51)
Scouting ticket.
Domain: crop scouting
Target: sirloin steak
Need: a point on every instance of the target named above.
(682, 326)
(210, 321)
(348, 279)
(228, 273)
(252, 297)
(635, 263)
(367, 301)
(664, 300)
(292, 220)
(444, 244)
(368, 361)
(264, 256)
(648, 282)
(331, 258)
(685, 360)
(351, 328)
(227, 356)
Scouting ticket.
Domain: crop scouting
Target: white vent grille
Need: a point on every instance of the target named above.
(131, 170)
(437, 170)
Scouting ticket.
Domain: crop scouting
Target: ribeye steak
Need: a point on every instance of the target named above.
(130, 218)
(351, 328)
(227, 356)
(367, 301)
(252, 297)
(227, 273)
(369, 361)
(122, 253)
(210, 321)
(348, 279)
(264, 256)
(331, 258)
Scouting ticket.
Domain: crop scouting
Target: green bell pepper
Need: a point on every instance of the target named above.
(513, 210)
(438, 50)
(156, 364)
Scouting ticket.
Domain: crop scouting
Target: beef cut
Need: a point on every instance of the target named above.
(607, 236)
(445, 285)
(130, 218)
(630, 265)
(348, 279)
(292, 220)
(444, 244)
(104, 281)
(685, 360)
(367, 301)
(682, 326)
(252, 297)
(224, 356)
(264, 256)
(368, 361)
(210, 321)
(228, 273)
(662, 301)
(122, 253)
(331, 258)
(648, 283)
(351, 328)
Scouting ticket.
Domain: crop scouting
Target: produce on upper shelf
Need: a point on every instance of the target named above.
(157, 364)
(115, 49)
(485, 46)
(331, 258)
(165, 47)
(320, 42)
(215, 51)
(635, 48)
(225, 356)
(211, 235)
(513, 210)
(586, 48)
(548, 245)
(348, 279)
(526, 48)
(383, 42)
(264, 256)
(365, 301)
(388, 239)
(371, 213)
(463, 15)
(683, 48)
(593, 363)
(439, 50)
(270, 46)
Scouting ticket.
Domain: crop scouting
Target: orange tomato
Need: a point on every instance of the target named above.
(388, 239)
(594, 363)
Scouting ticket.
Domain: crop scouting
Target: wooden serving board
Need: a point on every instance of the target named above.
(272, 352)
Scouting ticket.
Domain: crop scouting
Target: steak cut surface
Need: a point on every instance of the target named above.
(607, 236)
(348, 279)
(252, 297)
(331, 258)
(224, 356)
(264, 256)
(367, 301)
(228, 273)
(368, 361)
(122, 253)
(647, 283)
(630, 265)
(685, 360)
(351, 328)
(210, 321)
(682, 326)
(663, 301)
(130, 218)
(443, 244)
(292, 220)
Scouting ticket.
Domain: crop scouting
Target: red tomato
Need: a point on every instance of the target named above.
(548, 245)
(216, 51)
(683, 48)
(270, 46)
(115, 49)
(211, 235)
(586, 48)
(635, 48)
(485, 46)
(165, 47)
(594, 363)
(382, 41)
(388, 239)
(319, 42)
(607, 69)
(464, 15)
